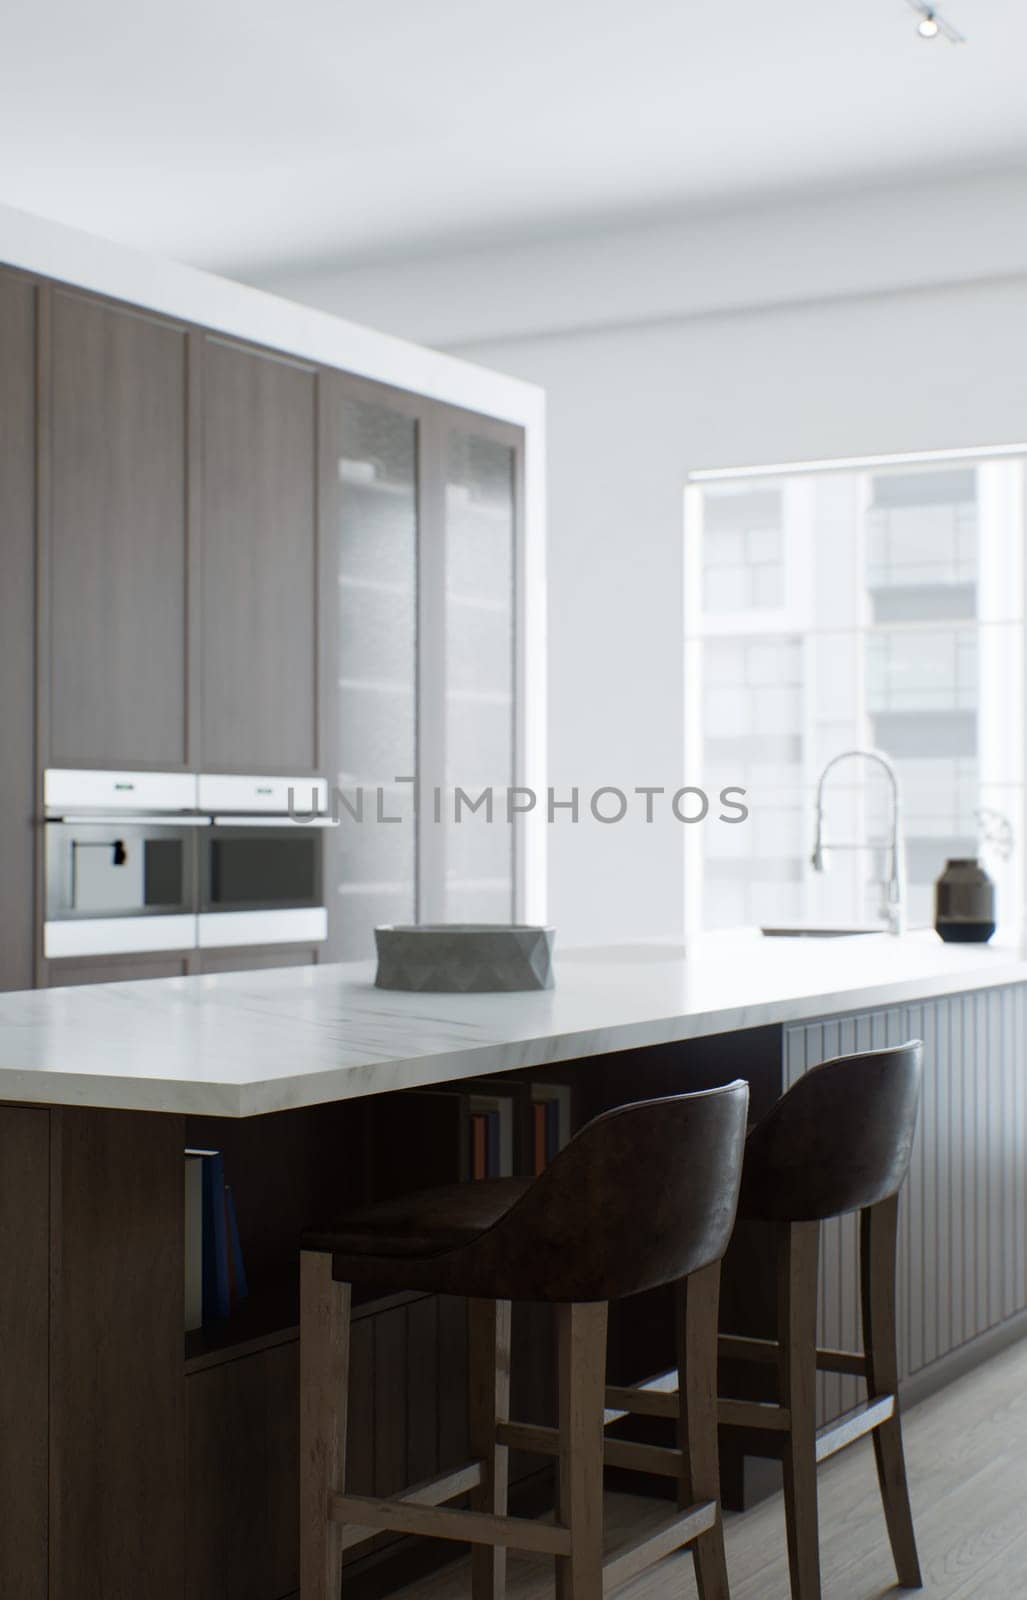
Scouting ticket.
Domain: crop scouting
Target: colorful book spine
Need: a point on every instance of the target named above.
(193, 1242)
(538, 1113)
(216, 1292)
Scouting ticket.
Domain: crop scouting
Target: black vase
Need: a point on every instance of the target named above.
(964, 903)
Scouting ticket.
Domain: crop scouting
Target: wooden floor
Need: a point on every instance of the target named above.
(967, 1455)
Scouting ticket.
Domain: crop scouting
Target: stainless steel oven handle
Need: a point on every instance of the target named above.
(271, 820)
(131, 819)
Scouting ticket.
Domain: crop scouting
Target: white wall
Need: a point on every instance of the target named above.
(630, 412)
(632, 408)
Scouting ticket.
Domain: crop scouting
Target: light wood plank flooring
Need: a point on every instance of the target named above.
(967, 1455)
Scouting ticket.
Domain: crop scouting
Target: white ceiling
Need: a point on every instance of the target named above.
(255, 135)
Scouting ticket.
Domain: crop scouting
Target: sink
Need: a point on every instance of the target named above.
(816, 933)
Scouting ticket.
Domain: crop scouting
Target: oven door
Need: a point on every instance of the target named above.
(114, 885)
(262, 883)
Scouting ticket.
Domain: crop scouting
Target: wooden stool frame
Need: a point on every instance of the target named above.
(333, 1521)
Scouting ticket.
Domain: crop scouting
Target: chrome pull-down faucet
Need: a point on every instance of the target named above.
(893, 899)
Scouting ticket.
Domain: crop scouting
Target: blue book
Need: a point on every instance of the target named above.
(493, 1160)
(216, 1296)
(239, 1286)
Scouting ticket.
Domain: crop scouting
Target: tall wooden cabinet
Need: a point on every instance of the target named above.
(115, 539)
(258, 655)
(246, 562)
(17, 632)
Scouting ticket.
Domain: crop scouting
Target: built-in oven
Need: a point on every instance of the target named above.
(121, 861)
(262, 869)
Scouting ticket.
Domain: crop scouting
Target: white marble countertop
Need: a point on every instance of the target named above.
(242, 1044)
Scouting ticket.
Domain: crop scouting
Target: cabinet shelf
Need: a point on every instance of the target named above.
(270, 1317)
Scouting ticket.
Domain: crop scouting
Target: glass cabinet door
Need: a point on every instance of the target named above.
(373, 873)
(421, 507)
(475, 880)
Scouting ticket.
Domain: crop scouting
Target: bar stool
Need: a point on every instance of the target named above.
(643, 1195)
(838, 1141)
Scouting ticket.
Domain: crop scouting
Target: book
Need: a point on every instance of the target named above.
(238, 1288)
(216, 1291)
(551, 1124)
(497, 1113)
(479, 1145)
(538, 1141)
(193, 1241)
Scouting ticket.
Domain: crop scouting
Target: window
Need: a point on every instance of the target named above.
(847, 606)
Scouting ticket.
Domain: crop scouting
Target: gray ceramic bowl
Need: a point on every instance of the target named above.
(465, 957)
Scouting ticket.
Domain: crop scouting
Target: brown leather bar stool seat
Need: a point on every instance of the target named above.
(643, 1195)
(838, 1141)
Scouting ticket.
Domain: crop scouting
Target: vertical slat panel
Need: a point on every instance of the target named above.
(951, 1275)
(1007, 1146)
(360, 1470)
(988, 1056)
(968, 1150)
(390, 1401)
(24, 1330)
(422, 1393)
(911, 1231)
(452, 1381)
(929, 1242)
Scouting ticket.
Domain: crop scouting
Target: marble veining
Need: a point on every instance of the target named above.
(240, 1044)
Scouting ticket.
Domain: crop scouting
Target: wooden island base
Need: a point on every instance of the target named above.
(135, 1461)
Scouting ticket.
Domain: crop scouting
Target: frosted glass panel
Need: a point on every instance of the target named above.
(479, 674)
(375, 861)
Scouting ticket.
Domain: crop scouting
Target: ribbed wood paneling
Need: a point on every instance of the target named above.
(962, 1242)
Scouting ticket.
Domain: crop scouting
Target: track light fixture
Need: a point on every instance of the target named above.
(931, 23)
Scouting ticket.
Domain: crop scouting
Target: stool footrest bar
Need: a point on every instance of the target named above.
(658, 1459)
(656, 1397)
(429, 1492)
(735, 1347)
(753, 1414)
(436, 1522)
(668, 1536)
(853, 1425)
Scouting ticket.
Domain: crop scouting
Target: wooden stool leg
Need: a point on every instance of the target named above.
(581, 1378)
(324, 1380)
(797, 1283)
(698, 1299)
(878, 1249)
(488, 1364)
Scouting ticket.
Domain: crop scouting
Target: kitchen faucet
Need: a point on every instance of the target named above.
(893, 899)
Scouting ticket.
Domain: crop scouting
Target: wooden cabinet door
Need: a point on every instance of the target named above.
(259, 651)
(17, 615)
(303, 955)
(116, 566)
(114, 969)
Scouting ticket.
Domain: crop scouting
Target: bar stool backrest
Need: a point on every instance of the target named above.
(642, 1195)
(839, 1140)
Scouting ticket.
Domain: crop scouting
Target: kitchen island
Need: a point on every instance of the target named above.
(134, 1461)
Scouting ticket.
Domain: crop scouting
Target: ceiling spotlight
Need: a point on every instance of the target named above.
(931, 23)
